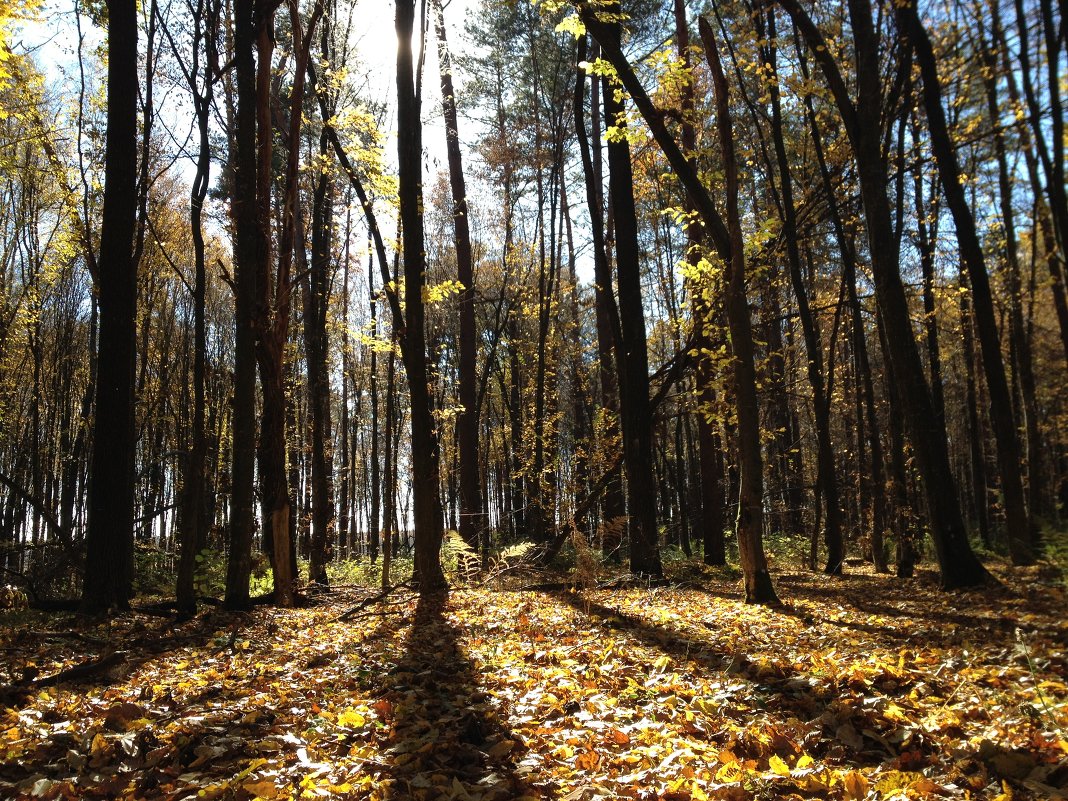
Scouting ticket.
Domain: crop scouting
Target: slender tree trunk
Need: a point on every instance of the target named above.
(605, 310)
(389, 512)
(1018, 334)
(345, 540)
(250, 249)
(711, 483)
(758, 586)
(863, 124)
(374, 533)
(429, 526)
(194, 521)
(975, 432)
(927, 231)
(317, 345)
(826, 476)
(631, 356)
(108, 580)
(472, 508)
(1020, 534)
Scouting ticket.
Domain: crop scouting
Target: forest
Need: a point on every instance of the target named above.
(515, 399)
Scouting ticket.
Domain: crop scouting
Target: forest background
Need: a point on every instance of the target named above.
(827, 303)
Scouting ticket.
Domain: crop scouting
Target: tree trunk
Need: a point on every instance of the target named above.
(632, 362)
(605, 310)
(826, 476)
(758, 586)
(250, 249)
(863, 124)
(1020, 534)
(472, 508)
(108, 580)
(429, 526)
(194, 521)
(1018, 333)
(317, 349)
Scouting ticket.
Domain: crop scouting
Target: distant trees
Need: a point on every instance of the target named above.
(671, 279)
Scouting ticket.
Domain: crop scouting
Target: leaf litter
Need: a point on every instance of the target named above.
(861, 688)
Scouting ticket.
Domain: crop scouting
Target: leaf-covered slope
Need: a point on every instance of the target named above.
(865, 687)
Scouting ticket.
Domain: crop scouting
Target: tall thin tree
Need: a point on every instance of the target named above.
(426, 500)
(109, 541)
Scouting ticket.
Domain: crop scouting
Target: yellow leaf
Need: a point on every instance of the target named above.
(350, 719)
(804, 761)
(729, 773)
(855, 784)
(265, 789)
(778, 766)
(99, 745)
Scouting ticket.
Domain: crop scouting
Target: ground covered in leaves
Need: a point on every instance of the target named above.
(865, 687)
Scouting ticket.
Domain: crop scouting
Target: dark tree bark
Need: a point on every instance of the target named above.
(1019, 336)
(108, 580)
(826, 476)
(472, 508)
(977, 460)
(864, 126)
(426, 503)
(632, 361)
(317, 344)
(927, 234)
(1020, 535)
(605, 310)
(374, 533)
(200, 75)
(316, 299)
(758, 586)
(250, 248)
(711, 473)
(848, 257)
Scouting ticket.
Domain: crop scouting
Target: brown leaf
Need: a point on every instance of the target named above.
(588, 760)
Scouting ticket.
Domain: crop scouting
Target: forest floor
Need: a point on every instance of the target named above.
(862, 687)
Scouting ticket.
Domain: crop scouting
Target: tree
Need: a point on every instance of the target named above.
(250, 248)
(863, 124)
(971, 251)
(631, 356)
(758, 586)
(473, 522)
(427, 514)
(109, 540)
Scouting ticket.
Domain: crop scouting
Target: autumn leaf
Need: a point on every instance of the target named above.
(855, 785)
(587, 760)
(778, 766)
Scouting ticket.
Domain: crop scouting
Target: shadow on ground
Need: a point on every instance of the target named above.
(443, 736)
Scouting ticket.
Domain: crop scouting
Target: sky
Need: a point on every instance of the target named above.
(377, 47)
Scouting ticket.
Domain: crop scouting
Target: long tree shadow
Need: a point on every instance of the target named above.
(792, 688)
(947, 624)
(443, 736)
(887, 634)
